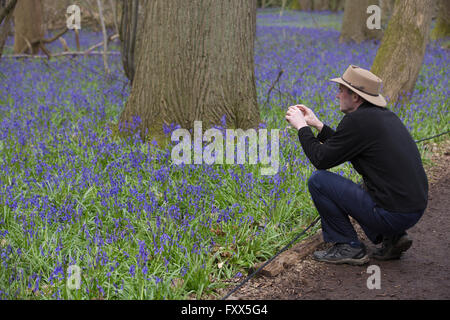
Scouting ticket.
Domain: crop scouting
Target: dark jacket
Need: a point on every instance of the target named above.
(381, 149)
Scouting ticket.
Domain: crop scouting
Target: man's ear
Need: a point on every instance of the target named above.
(355, 97)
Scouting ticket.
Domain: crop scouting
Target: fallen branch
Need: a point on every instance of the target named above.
(110, 38)
(61, 33)
(290, 257)
(41, 42)
(72, 53)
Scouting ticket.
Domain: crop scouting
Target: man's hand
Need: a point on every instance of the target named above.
(310, 117)
(295, 117)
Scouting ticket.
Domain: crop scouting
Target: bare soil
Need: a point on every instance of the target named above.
(423, 272)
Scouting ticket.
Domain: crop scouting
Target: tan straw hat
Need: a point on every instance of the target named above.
(364, 83)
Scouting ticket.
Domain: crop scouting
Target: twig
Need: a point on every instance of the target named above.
(29, 47)
(110, 38)
(61, 33)
(64, 44)
(45, 50)
(77, 39)
(280, 73)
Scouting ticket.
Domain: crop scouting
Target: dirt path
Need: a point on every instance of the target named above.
(423, 272)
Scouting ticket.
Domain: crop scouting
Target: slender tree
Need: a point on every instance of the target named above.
(354, 22)
(400, 55)
(196, 63)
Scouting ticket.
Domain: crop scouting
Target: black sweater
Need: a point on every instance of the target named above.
(381, 149)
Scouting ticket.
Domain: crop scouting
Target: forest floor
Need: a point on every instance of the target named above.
(423, 272)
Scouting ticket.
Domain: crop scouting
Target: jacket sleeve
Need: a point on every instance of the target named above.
(325, 133)
(344, 144)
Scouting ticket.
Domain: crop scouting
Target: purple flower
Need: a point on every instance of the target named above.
(132, 270)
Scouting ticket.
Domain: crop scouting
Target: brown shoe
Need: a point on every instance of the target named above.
(393, 247)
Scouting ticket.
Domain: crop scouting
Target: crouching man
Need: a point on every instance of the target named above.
(381, 149)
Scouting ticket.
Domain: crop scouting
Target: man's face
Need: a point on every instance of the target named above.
(348, 101)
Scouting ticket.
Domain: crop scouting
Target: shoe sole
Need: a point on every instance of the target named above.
(354, 262)
(401, 246)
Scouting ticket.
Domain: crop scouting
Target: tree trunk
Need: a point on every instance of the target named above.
(128, 34)
(321, 5)
(354, 22)
(400, 55)
(27, 26)
(442, 28)
(196, 63)
(305, 5)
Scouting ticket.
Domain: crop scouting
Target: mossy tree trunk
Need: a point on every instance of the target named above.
(400, 55)
(27, 26)
(442, 28)
(354, 22)
(196, 63)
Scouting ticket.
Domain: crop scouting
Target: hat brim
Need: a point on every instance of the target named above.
(376, 100)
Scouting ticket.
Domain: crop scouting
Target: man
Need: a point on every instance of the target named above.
(381, 149)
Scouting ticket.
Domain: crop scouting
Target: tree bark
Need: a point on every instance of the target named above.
(27, 26)
(305, 5)
(400, 55)
(196, 64)
(354, 22)
(442, 28)
(321, 5)
(128, 34)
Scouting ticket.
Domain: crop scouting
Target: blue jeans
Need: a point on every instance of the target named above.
(336, 198)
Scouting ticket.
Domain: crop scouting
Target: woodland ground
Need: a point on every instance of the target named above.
(423, 272)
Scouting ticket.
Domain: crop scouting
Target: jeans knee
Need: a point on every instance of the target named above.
(316, 179)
